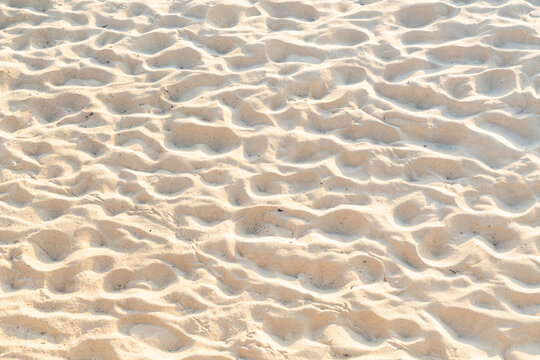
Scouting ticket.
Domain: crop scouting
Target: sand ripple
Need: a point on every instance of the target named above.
(269, 180)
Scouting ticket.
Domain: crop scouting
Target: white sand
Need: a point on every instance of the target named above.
(269, 179)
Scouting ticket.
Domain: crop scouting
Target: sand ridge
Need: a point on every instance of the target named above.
(269, 179)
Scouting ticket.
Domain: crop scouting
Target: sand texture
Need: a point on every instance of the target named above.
(269, 180)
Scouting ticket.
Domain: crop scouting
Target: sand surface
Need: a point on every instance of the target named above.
(269, 179)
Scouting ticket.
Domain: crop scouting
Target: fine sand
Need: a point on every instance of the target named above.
(270, 180)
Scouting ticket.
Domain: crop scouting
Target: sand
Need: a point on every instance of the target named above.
(269, 179)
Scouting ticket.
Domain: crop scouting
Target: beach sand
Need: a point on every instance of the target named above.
(270, 180)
